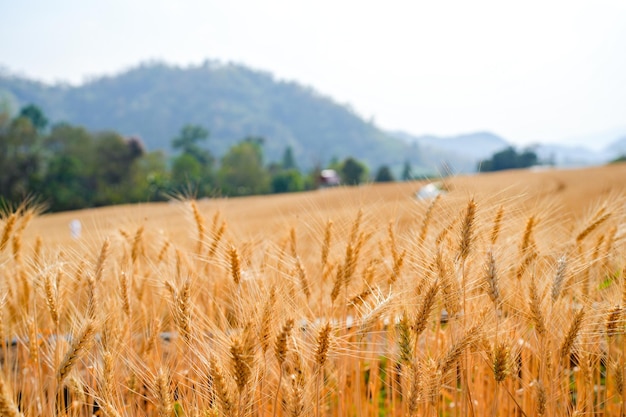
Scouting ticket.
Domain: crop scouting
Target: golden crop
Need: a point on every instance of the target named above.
(504, 297)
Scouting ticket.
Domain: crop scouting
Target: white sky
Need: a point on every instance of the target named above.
(531, 71)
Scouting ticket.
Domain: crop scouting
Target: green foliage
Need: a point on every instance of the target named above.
(289, 161)
(384, 174)
(618, 160)
(193, 168)
(35, 115)
(508, 158)
(287, 181)
(71, 168)
(20, 157)
(242, 171)
(353, 172)
(154, 100)
(407, 172)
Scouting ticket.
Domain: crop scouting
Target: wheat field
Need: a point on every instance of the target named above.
(505, 296)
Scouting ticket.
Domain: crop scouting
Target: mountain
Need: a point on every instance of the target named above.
(154, 100)
(570, 156)
(458, 153)
(617, 148)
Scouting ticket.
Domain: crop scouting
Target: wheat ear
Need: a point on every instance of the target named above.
(426, 307)
(8, 227)
(559, 278)
(405, 339)
(200, 225)
(7, 406)
(79, 345)
(467, 230)
(427, 218)
(280, 351)
(527, 237)
(220, 385)
(104, 250)
(572, 332)
(235, 265)
(491, 280)
(535, 309)
(497, 224)
(600, 217)
(304, 282)
(326, 244)
(165, 407)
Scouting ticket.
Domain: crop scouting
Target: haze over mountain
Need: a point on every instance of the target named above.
(154, 100)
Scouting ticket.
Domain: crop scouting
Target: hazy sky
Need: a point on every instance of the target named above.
(532, 70)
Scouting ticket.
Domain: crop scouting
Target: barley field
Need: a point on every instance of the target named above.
(505, 296)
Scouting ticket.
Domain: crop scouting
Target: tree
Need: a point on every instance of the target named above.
(407, 173)
(289, 161)
(193, 168)
(287, 181)
(188, 141)
(21, 158)
(35, 115)
(241, 171)
(619, 159)
(508, 158)
(69, 180)
(384, 174)
(352, 172)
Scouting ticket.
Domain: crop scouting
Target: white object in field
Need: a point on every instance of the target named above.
(430, 190)
(75, 228)
(329, 178)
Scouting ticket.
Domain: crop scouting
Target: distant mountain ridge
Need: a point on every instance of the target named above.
(154, 100)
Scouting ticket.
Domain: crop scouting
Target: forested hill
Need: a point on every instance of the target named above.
(154, 100)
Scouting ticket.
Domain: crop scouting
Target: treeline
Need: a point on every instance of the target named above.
(67, 167)
(509, 158)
